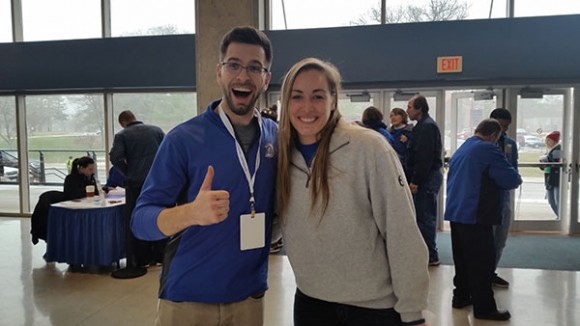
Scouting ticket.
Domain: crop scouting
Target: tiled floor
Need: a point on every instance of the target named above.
(35, 293)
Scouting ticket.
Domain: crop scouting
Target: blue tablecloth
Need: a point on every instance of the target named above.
(94, 236)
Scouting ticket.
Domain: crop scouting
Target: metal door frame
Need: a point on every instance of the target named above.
(562, 224)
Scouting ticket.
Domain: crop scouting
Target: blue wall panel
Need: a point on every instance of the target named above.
(523, 51)
(494, 51)
(99, 64)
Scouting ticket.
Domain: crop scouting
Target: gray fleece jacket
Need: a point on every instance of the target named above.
(366, 250)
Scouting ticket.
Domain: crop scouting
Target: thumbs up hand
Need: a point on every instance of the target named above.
(210, 206)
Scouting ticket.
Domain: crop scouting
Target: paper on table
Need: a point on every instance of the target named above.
(117, 191)
(87, 203)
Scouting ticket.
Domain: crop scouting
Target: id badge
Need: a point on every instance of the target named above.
(252, 231)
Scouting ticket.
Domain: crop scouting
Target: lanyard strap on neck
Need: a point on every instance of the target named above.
(251, 178)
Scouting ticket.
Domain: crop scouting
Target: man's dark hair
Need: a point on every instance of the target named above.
(247, 35)
(501, 113)
(488, 127)
(126, 116)
(420, 103)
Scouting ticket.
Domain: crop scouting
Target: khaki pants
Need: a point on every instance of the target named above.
(249, 312)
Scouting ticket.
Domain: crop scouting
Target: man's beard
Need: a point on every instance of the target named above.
(239, 110)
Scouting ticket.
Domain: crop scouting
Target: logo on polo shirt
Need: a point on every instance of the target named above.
(269, 150)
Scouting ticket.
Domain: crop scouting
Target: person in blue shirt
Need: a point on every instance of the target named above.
(115, 179)
(402, 132)
(373, 118)
(509, 147)
(478, 173)
(211, 190)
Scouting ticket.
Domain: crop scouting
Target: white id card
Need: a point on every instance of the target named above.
(252, 231)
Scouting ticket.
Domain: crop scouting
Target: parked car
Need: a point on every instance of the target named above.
(9, 167)
(10, 173)
(533, 141)
(520, 139)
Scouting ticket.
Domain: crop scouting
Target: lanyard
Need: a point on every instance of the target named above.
(242, 158)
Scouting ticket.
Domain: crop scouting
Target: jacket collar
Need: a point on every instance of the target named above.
(134, 123)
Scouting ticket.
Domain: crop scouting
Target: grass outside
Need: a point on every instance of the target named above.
(58, 149)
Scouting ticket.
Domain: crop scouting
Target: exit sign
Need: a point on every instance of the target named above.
(449, 64)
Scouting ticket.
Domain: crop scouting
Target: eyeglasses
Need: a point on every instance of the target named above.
(236, 68)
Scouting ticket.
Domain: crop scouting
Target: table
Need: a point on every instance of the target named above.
(86, 232)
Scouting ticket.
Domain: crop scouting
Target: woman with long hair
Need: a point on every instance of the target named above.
(81, 176)
(347, 214)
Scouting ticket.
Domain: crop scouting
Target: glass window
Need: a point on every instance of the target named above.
(401, 11)
(165, 110)
(61, 127)
(299, 14)
(464, 109)
(152, 17)
(536, 119)
(5, 21)
(352, 110)
(9, 202)
(61, 19)
(291, 14)
(486, 9)
(546, 8)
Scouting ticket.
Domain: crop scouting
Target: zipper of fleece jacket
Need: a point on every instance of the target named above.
(307, 171)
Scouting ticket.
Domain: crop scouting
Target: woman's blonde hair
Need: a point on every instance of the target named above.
(287, 135)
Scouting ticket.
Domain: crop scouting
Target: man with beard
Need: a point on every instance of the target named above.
(210, 190)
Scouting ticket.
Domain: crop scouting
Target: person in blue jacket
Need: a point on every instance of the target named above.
(509, 147)
(115, 179)
(402, 132)
(373, 118)
(211, 189)
(478, 172)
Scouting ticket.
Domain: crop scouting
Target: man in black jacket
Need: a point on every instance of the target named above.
(425, 177)
(133, 151)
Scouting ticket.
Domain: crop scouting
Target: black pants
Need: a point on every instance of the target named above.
(144, 252)
(474, 257)
(309, 311)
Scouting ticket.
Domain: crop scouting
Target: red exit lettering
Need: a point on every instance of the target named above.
(449, 64)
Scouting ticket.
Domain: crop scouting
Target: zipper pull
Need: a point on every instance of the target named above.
(308, 173)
